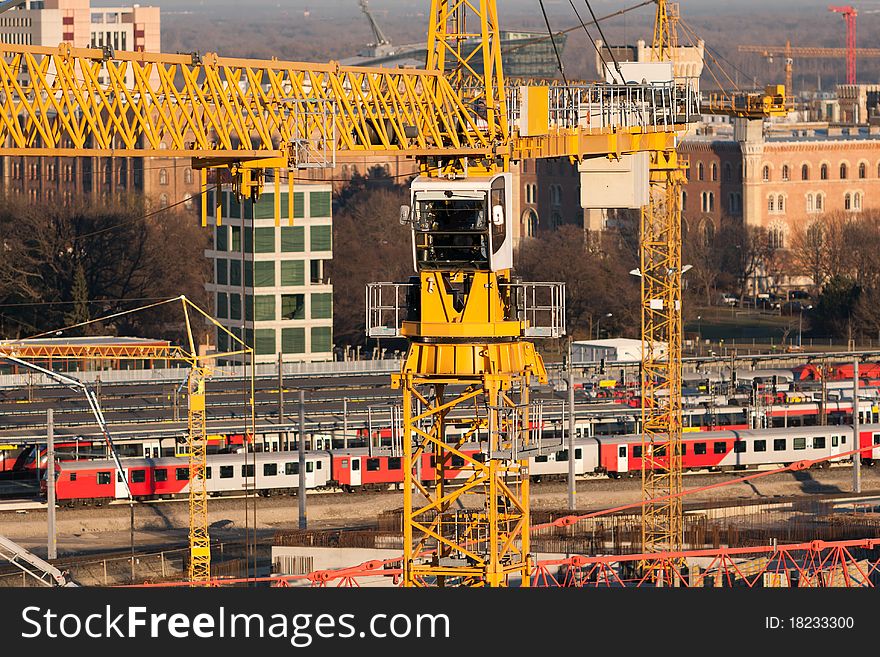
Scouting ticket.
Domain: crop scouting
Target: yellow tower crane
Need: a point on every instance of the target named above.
(467, 317)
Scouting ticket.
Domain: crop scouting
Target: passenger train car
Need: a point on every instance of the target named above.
(359, 469)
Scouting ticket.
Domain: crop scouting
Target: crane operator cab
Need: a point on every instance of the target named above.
(461, 224)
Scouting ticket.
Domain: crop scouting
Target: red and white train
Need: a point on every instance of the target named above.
(357, 469)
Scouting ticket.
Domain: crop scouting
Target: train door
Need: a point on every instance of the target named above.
(622, 459)
(121, 490)
(355, 471)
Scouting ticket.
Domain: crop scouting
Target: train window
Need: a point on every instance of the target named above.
(181, 474)
(760, 445)
(877, 438)
(779, 445)
(119, 477)
(103, 478)
(479, 457)
(138, 476)
(843, 439)
(683, 448)
(578, 453)
(637, 451)
(319, 465)
(292, 467)
(834, 441)
(542, 458)
(621, 452)
(208, 472)
(457, 461)
(719, 448)
(373, 464)
(160, 474)
(819, 442)
(73, 476)
(247, 470)
(562, 455)
(355, 465)
(394, 463)
(777, 422)
(800, 443)
(270, 469)
(310, 466)
(699, 448)
(343, 463)
(739, 446)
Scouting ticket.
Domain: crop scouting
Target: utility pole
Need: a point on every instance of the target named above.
(281, 404)
(345, 423)
(50, 483)
(301, 443)
(857, 457)
(571, 470)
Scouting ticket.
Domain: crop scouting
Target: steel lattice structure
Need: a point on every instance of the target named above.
(661, 272)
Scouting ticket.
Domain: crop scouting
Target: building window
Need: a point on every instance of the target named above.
(785, 172)
(843, 171)
(684, 201)
(163, 200)
(771, 203)
(805, 172)
(163, 176)
(765, 175)
(264, 307)
(863, 170)
(847, 202)
(293, 306)
(820, 202)
(780, 203)
(264, 342)
(700, 173)
(322, 306)
(293, 272)
(321, 339)
(776, 236)
(293, 340)
(711, 201)
(713, 171)
(809, 203)
(188, 176)
(188, 201)
(726, 173)
(857, 201)
(823, 172)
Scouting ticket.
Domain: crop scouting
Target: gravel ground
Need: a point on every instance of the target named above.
(164, 523)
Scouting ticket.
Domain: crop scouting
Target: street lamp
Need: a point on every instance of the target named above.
(598, 321)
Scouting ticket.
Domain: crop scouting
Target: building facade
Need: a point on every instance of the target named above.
(270, 288)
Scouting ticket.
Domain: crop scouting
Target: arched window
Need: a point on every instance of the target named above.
(765, 175)
(711, 201)
(556, 220)
(863, 170)
(726, 172)
(823, 172)
(188, 201)
(163, 177)
(188, 176)
(785, 172)
(704, 202)
(805, 172)
(776, 236)
(700, 171)
(780, 203)
(815, 235)
(713, 171)
(843, 171)
(820, 201)
(809, 202)
(684, 201)
(530, 223)
(163, 200)
(771, 203)
(857, 201)
(847, 202)
(708, 231)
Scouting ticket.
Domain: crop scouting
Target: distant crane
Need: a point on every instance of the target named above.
(10, 4)
(849, 15)
(378, 34)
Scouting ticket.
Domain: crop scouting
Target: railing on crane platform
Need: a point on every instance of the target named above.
(615, 106)
(539, 306)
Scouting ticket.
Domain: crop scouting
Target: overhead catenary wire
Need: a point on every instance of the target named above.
(589, 36)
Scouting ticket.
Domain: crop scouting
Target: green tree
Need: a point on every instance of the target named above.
(80, 294)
